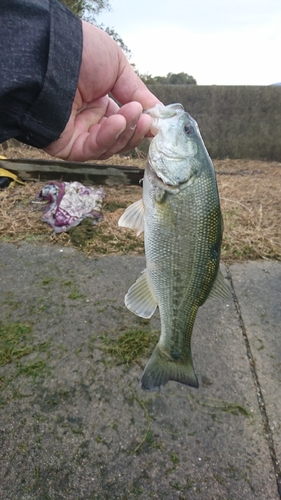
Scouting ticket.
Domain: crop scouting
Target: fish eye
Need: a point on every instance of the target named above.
(188, 129)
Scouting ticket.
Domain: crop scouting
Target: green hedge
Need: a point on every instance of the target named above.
(235, 121)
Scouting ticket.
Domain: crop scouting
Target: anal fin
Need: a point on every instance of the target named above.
(140, 298)
(220, 287)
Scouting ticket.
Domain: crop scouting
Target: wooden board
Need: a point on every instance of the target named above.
(48, 170)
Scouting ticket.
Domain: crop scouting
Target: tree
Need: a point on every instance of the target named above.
(89, 11)
(180, 79)
(169, 79)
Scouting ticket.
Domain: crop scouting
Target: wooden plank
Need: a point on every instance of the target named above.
(87, 173)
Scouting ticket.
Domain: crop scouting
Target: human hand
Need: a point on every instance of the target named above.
(97, 127)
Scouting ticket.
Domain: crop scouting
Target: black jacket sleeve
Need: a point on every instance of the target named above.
(40, 57)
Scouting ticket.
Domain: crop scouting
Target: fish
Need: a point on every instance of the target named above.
(181, 218)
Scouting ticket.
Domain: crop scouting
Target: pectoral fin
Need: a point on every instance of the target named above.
(140, 298)
(220, 287)
(133, 217)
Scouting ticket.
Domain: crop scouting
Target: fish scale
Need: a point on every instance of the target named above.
(182, 226)
(185, 284)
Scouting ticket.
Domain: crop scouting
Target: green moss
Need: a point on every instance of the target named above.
(222, 406)
(177, 486)
(47, 281)
(131, 345)
(11, 301)
(14, 342)
(174, 458)
(75, 294)
(219, 479)
(37, 368)
(66, 283)
(111, 206)
(81, 234)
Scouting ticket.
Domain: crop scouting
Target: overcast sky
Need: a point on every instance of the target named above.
(220, 42)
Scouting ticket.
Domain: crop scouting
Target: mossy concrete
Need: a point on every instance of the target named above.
(81, 428)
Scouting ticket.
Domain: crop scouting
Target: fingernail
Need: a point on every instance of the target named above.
(134, 123)
(120, 132)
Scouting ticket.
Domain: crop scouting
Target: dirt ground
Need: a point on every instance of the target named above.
(250, 193)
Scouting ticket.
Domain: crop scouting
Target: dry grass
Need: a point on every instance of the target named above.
(250, 197)
(251, 206)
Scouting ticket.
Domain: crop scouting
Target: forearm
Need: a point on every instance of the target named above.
(40, 57)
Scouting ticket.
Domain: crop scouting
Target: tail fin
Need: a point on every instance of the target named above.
(162, 368)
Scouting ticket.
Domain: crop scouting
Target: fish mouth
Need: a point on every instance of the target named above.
(171, 188)
(160, 182)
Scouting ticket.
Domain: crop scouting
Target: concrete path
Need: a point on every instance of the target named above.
(74, 423)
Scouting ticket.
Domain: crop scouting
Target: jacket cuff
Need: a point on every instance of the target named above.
(49, 114)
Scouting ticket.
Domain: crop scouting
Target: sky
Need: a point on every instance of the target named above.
(218, 42)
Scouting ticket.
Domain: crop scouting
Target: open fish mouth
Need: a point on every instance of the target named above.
(160, 112)
(162, 181)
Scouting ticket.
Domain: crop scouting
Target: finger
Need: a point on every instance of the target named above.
(92, 135)
(137, 127)
(112, 107)
(116, 133)
(132, 113)
(135, 139)
(92, 144)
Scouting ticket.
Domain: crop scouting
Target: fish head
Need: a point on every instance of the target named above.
(174, 152)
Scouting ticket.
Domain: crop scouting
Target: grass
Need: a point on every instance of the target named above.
(34, 369)
(15, 342)
(148, 435)
(75, 294)
(250, 205)
(174, 458)
(250, 193)
(221, 405)
(131, 345)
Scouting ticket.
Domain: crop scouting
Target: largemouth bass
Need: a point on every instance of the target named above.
(181, 218)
